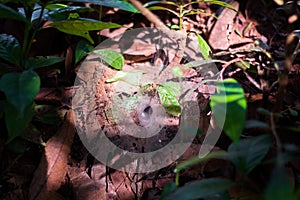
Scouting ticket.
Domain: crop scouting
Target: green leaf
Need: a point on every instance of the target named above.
(243, 65)
(55, 6)
(164, 8)
(15, 123)
(40, 61)
(9, 13)
(204, 47)
(248, 153)
(207, 188)
(229, 103)
(168, 189)
(123, 5)
(82, 26)
(168, 94)
(279, 187)
(177, 71)
(197, 160)
(48, 115)
(132, 77)
(199, 63)
(10, 49)
(20, 89)
(63, 13)
(111, 57)
(256, 124)
(161, 2)
(220, 3)
(82, 49)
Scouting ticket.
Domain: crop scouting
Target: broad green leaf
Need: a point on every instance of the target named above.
(111, 57)
(64, 12)
(132, 77)
(280, 187)
(10, 49)
(20, 89)
(206, 188)
(168, 189)
(82, 49)
(248, 153)
(229, 103)
(173, 88)
(123, 5)
(9, 13)
(256, 124)
(204, 47)
(168, 98)
(82, 26)
(54, 6)
(15, 123)
(40, 61)
(199, 63)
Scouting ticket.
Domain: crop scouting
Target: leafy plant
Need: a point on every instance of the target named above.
(183, 9)
(230, 96)
(21, 84)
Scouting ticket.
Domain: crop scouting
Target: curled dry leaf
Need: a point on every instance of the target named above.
(53, 166)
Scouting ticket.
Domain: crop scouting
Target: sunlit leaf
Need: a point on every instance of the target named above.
(132, 77)
(177, 71)
(207, 188)
(10, 49)
(163, 8)
(40, 61)
(82, 26)
(55, 6)
(244, 65)
(82, 49)
(168, 94)
(199, 63)
(20, 89)
(15, 123)
(9, 13)
(111, 57)
(204, 47)
(229, 104)
(248, 153)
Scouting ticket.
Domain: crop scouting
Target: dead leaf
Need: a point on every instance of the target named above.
(52, 169)
(84, 187)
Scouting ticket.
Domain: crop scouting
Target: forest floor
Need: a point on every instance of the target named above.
(51, 162)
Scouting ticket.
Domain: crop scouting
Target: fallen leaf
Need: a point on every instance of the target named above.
(53, 166)
(84, 187)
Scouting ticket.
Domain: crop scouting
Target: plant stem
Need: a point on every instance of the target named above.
(100, 17)
(273, 128)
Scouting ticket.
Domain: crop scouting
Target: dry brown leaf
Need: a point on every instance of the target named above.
(53, 166)
(86, 188)
(218, 38)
